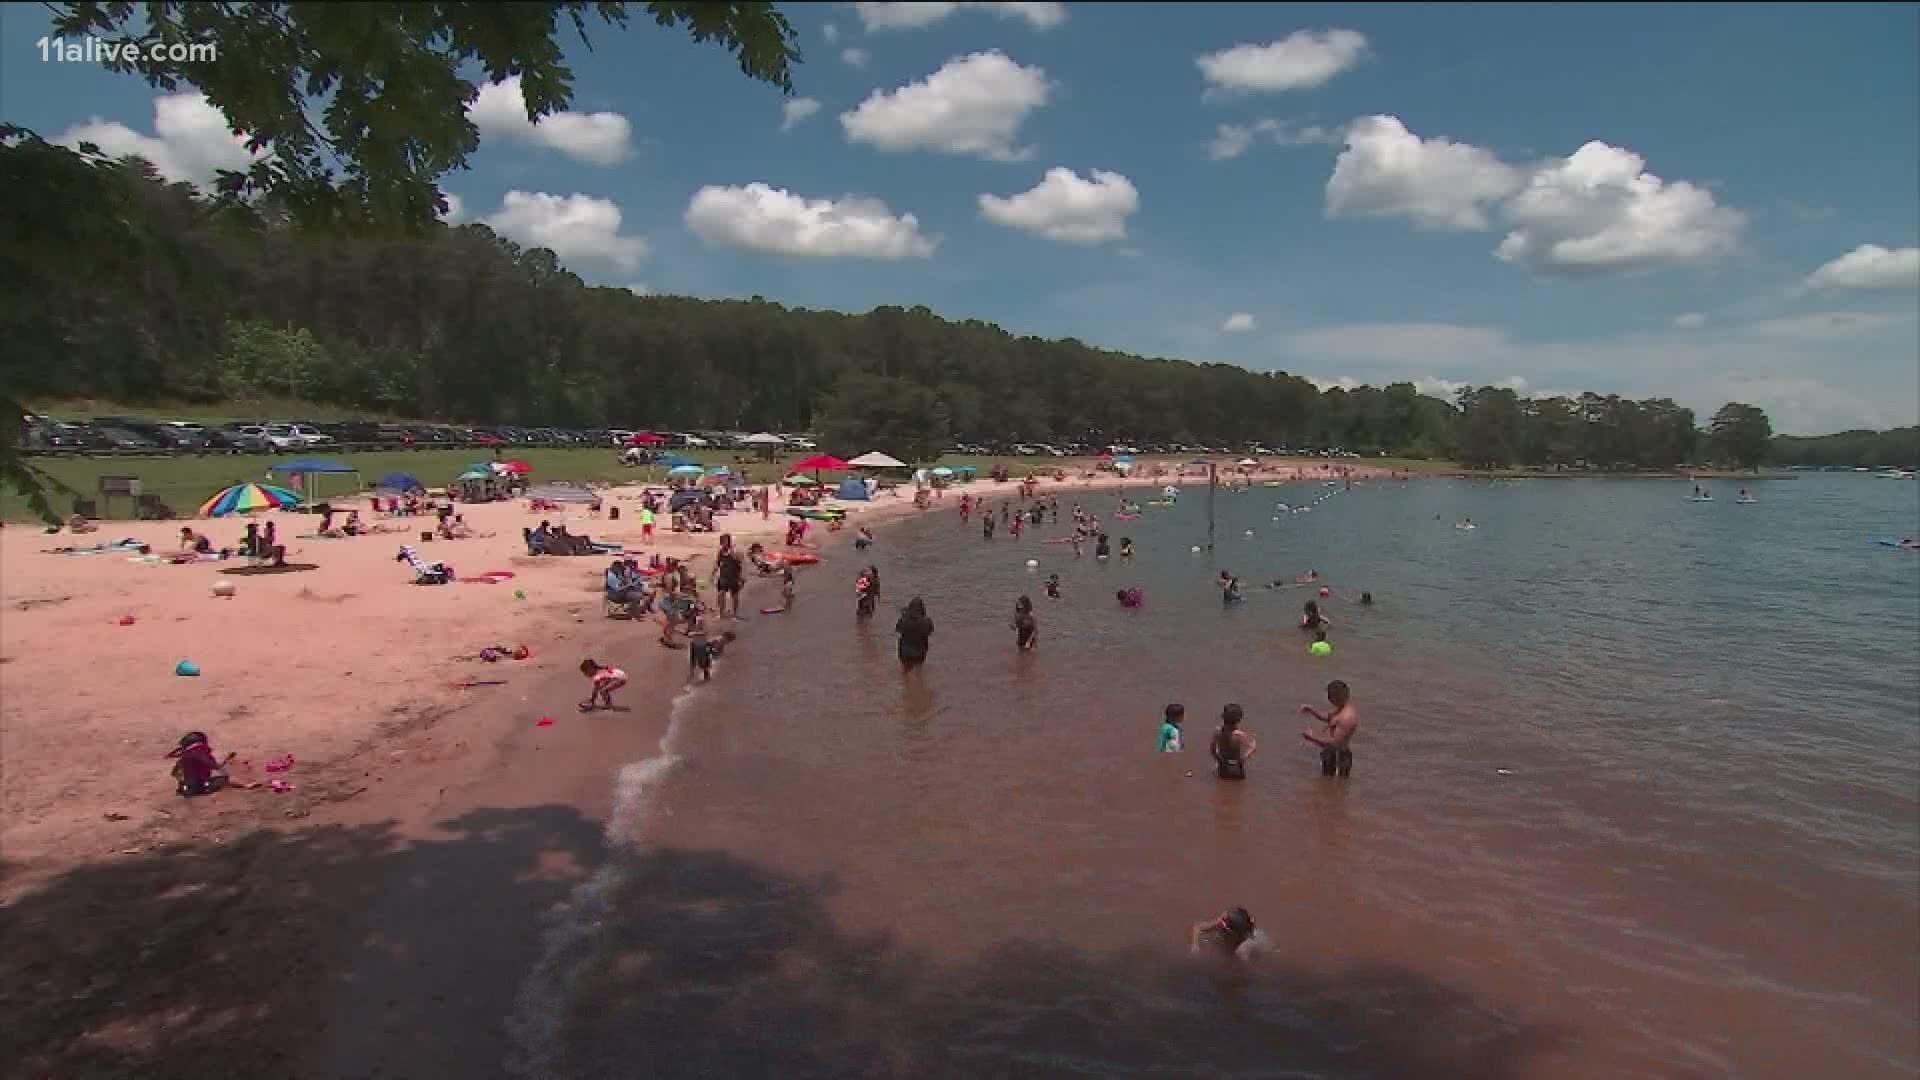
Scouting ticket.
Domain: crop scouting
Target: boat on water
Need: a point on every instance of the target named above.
(1896, 474)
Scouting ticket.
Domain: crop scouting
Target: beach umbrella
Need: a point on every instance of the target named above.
(673, 461)
(685, 470)
(519, 468)
(475, 474)
(818, 463)
(244, 498)
(801, 481)
(719, 470)
(401, 482)
(877, 460)
(942, 470)
(1247, 461)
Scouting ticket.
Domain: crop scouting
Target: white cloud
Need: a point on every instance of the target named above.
(456, 208)
(1596, 211)
(639, 288)
(853, 57)
(1065, 207)
(1870, 266)
(1237, 323)
(777, 222)
(1824, 325)
(877, 17)
(1691, 320)
(973, 106)
(601, 138)
(831, 33)
(1387, 171)
(1601, 211)
(795, 110)
(1301, 60)
(1232, 140)
(572, 226)
(1129, 252)
(190, 141)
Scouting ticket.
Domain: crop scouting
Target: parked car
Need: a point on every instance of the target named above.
(110, 437)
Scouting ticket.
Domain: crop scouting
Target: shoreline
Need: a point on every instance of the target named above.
(410, 799)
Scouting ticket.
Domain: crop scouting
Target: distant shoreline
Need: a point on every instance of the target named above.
(1601, 474)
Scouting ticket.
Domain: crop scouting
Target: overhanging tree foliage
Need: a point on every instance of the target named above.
(395, 80)
(1742, 434)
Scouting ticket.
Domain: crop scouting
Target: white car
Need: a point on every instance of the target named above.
(692, 440)
(293, 436)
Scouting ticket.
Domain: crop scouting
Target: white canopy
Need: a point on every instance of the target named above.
(877, 460)
(762, 438)
(1248, 461)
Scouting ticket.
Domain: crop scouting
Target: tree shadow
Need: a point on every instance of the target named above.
(514, 943)
(704, 966)
(252, 953)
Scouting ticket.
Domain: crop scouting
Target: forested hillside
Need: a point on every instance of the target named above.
(154, 294)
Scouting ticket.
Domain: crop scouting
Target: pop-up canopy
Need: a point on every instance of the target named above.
(877, 460)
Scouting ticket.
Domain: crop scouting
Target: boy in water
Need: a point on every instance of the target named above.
(1336, 754)
(1229, 936)
(1170, 741)
(1053, 586)
(1126, 547)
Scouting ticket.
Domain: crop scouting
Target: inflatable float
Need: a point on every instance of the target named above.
(816, 514)
(797, 558)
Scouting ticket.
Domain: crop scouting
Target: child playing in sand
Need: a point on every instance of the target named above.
(195, 770)
(605, 681)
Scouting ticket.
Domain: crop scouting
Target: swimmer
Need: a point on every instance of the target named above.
(1053, 586)
(1230, 936)
(1231, 747)
(1366, 599)
(1321, 646)
(864, 540)
(1336, 753)
(1026, 627)
(1170, 740)
(1229, 588)
(1307, 578)
(1311, 619)
(1100, 547)
(1129, 598)
(1126, 547)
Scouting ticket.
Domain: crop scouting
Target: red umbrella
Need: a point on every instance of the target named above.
(818, 463)
(644, 438)
(516, 467)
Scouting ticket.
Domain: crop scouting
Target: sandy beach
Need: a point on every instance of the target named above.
(116, 889)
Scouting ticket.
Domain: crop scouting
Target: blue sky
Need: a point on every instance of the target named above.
(1705, 202)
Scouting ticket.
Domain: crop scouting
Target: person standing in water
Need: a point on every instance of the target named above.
(1170, 735)
(1026, 627)
(1100, 547)
(1231, 747)
(1334, 741)
(916, 634)
(1053, 586)
(986, 526)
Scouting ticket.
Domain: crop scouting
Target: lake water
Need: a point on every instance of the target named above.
(1637, 793)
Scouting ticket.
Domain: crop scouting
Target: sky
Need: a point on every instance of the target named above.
(1709, 203)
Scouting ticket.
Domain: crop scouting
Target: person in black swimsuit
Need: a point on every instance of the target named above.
(916, 631)
(729, 576)
(1232, 747)
(1026, 627)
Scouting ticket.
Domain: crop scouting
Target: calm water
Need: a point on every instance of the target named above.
(1635, 795)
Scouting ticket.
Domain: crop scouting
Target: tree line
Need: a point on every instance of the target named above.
(1898, 446)
(146, 292)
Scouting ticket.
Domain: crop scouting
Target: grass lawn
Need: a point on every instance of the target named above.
(183, 482)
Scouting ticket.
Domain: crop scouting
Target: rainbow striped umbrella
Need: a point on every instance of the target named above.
(244, 498)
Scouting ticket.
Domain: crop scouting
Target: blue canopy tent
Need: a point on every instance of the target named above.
(401, 482)
(299, 469)
(852, 489)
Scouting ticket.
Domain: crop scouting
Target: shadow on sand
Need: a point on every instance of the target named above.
(341, 951)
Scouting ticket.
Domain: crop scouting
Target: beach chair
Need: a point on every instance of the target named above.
(150, 508)
(424, 573)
